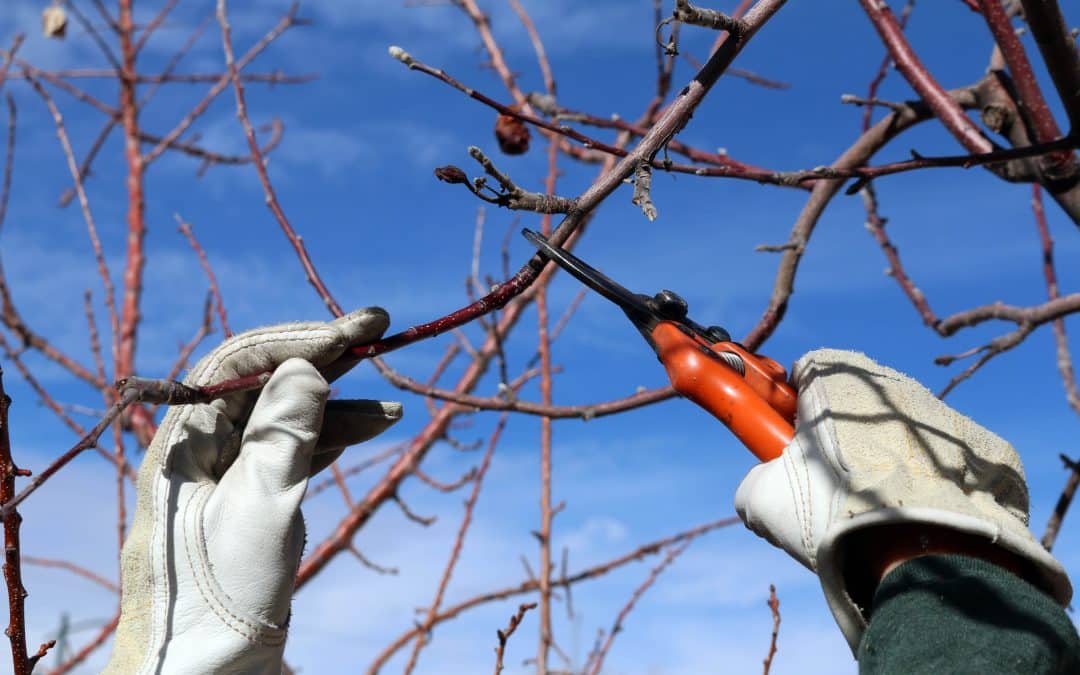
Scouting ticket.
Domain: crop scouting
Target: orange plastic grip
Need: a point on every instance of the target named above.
(758, 407)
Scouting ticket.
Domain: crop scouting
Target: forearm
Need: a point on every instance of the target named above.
(953, 613)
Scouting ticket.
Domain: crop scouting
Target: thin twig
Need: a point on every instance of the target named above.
(1053, 527)
(9, 157)
(16, 629)
(424, 635)
(774, 607)
(1061, 340)
(547, 513)
(260, 167)
(564, 581)
(504, 635)
(673, 553)
(84, 204)
(215, 290)
(74, 569)
(98, 641)
(1058, 47)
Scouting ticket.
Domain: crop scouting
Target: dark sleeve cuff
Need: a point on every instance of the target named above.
(957, 614)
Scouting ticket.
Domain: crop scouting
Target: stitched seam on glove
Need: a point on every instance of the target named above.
(215, 597)
(315, 334)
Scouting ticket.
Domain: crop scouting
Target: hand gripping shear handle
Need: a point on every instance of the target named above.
(749, 393)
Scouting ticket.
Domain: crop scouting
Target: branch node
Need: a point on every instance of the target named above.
(642, 190)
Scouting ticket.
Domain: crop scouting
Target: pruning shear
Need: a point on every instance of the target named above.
(748, 392)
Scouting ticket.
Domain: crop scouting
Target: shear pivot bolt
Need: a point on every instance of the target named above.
(669, 305)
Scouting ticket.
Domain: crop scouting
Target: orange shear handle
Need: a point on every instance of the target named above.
(758, 406)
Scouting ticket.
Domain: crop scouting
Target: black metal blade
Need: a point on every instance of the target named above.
(631, 303)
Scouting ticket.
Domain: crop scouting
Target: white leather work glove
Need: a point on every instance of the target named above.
(207, 570)
(874, 447)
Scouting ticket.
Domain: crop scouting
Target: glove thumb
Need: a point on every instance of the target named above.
(279, 438)
(768, 501)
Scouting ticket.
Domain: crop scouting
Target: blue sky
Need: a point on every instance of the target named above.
(354, 172)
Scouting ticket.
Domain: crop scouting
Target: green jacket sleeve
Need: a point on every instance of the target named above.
(957, 614)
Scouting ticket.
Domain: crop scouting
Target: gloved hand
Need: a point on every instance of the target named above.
(207, 570)
(874, 448)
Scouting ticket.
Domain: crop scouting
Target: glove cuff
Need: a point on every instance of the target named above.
(1047, 573)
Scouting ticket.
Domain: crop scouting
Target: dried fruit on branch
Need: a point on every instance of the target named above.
(512, 134)
(54, 22)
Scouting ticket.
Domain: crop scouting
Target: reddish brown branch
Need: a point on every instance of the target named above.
(9, 56)
(920, 79)
(1029, 95)
(55, 407)
(92, 334)
(725, 165)
(538, 47)
(131, 310)
(74, 569)
(858, 154)
(260, 165)
(673, 553)
(12, 500)
(883, 69)
(84, 204)
(9, 157)
(441, 486)
(504, 635)
(99, 640)
(13, 320)
(286, 22)
(583, 411)
(154, 24)
(1064, 356)
(563, 581)
(1058, 48)
(339, 481)
(774, 607)
(204, 329)
(1063, 503)
(215, 290)
(491, 45)
(424, 635)
(876, 225)
(353, 470)
(16, 629)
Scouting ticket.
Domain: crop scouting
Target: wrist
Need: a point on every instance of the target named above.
(871, 554)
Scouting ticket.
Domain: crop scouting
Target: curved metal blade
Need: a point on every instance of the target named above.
(590, 276)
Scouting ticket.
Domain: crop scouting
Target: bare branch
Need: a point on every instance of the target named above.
(504, 635)
(260, 165)
(673, 553)
(1058, 48)
(774, 607)
(1063, 503)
